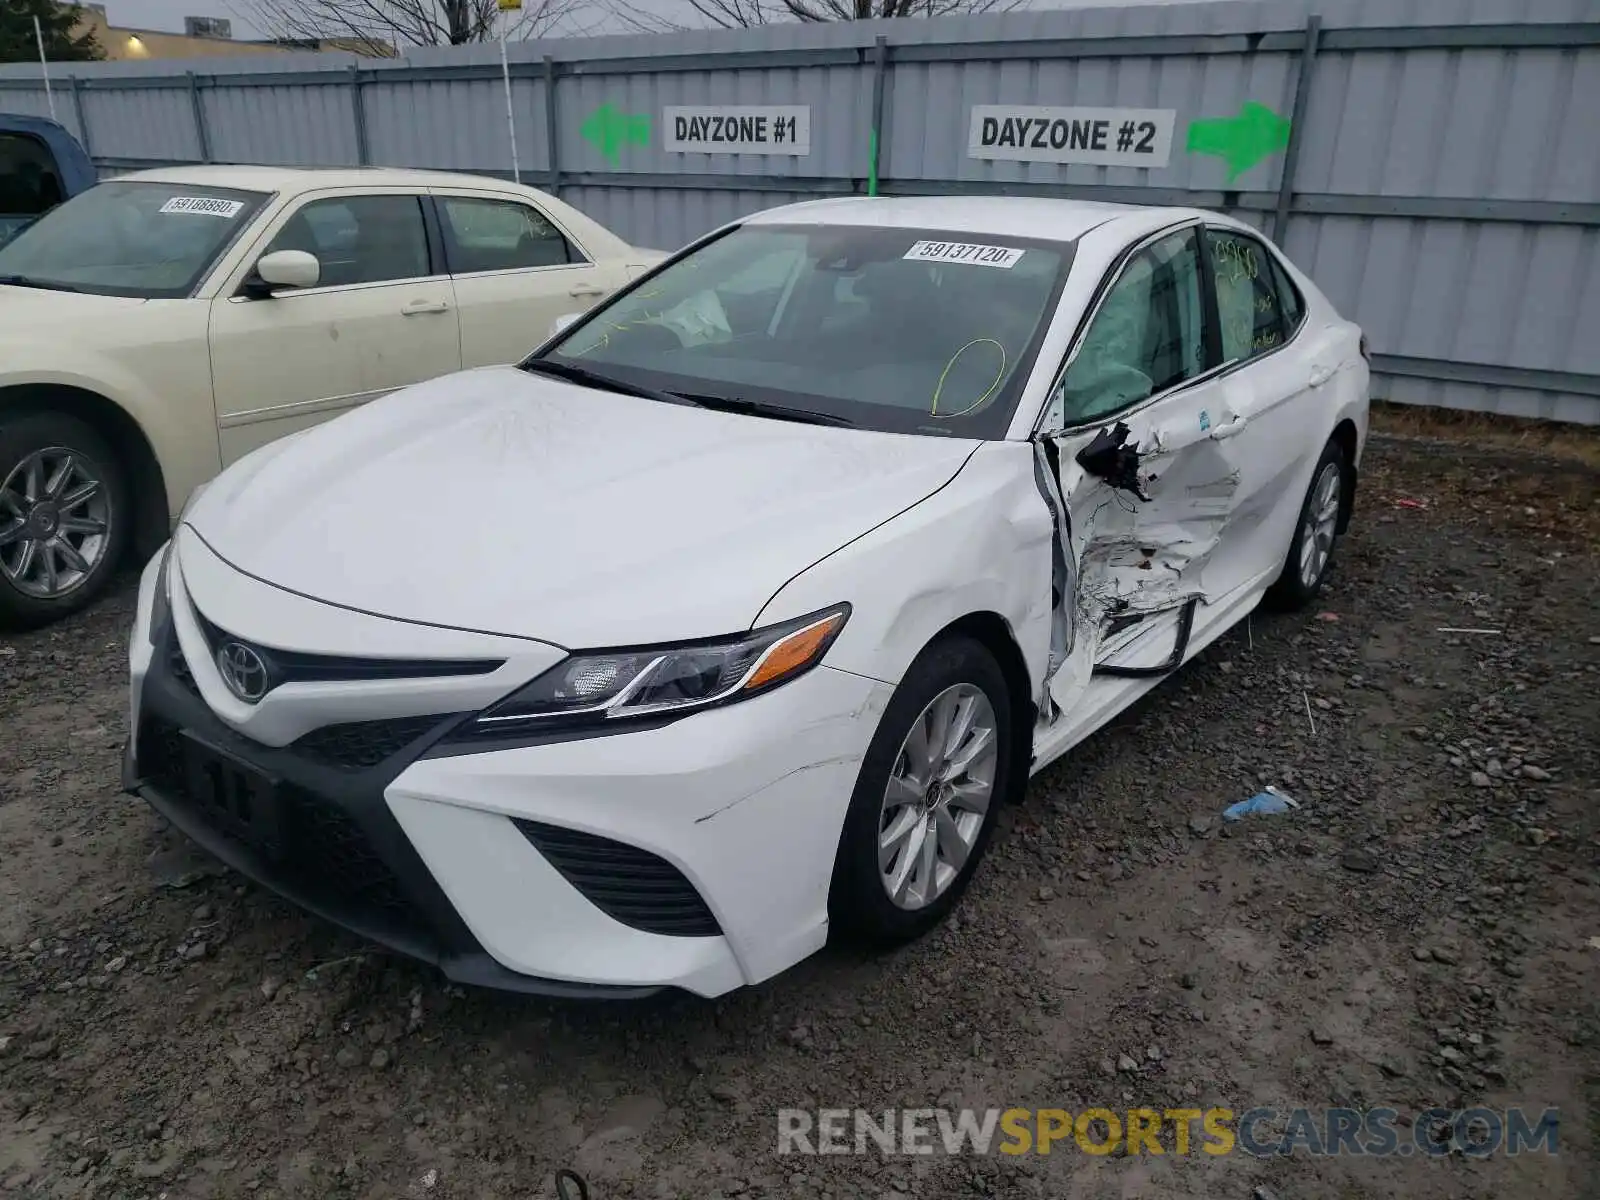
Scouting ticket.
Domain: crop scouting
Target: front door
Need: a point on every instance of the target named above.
(1141, 428)
(381, 317)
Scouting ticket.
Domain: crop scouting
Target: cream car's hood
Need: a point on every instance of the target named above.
(512, 503)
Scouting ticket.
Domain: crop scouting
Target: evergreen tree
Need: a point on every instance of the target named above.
(56, 21)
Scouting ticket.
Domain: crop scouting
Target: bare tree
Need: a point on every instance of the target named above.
(376, 25)
(742, 14)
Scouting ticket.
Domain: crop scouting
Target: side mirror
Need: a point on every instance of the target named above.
(563, 322)
(289, 268)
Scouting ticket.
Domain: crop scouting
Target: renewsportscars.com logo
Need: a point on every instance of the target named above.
(1263, 1132)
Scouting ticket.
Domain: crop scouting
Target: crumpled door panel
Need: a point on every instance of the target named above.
(1148, 502)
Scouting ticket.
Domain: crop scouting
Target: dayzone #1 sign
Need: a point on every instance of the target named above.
(738, 129)
(1106, 137)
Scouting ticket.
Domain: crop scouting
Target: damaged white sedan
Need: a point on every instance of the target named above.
(730, 617)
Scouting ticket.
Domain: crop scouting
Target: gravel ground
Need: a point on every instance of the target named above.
(1424, 930)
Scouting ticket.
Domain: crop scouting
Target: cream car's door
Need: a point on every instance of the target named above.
(514, 271)
(383, 316)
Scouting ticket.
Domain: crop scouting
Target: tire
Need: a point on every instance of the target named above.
(956, 670)
(56, 557)
(1304, 570)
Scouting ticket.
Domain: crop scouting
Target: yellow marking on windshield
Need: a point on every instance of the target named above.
(945, 374)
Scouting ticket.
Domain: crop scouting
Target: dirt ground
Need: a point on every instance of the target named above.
(1424, 930)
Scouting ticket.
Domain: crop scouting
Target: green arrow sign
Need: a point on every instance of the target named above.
(1241, 141)
(609, 129)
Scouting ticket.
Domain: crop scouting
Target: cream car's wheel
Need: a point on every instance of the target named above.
(925, 801)
(62, 510)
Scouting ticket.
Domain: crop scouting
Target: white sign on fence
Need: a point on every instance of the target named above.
(1107, 137)
(738, 129)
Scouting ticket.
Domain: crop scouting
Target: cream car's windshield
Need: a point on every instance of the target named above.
(124, 238)
(905, 330)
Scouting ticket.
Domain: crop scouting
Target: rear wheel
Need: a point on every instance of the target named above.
(924, 804)
(63, 510)
(1316, 531)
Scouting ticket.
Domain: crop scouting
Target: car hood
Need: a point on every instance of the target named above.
(515, 504)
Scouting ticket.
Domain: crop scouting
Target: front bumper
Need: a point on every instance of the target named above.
(695, 855)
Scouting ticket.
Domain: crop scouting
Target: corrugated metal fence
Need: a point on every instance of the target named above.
(1440, 177)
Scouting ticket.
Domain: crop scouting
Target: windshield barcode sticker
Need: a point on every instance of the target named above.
(205, 206)
(964, 252)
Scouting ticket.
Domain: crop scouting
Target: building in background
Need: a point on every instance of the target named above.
(203, 37)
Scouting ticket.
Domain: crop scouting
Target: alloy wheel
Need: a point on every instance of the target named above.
(55, 522)
(938, 796)
(1321, 519)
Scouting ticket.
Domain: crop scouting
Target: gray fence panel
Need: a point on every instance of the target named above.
(1498, 124)
(33, 102)
(289, 125)
(141, 123)
(454, 125)
(1442, 182)
(665, 220)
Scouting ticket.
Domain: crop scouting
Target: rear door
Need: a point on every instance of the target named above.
(1278, 374)
(382, 317)
(514, 271)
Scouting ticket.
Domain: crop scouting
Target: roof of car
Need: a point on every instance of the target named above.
(301, 179)
(1016, 216)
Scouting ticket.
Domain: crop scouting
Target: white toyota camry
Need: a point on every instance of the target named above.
(730, 617)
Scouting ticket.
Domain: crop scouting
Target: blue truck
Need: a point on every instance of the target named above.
(41, 164)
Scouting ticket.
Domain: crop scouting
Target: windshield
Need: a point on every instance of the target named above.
(152, 240)
(905, 330)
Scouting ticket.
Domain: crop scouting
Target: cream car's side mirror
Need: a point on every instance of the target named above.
(289, 268)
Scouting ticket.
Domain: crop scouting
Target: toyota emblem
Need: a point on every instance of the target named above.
(243, 670)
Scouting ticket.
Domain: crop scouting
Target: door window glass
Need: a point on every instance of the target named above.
(501, 235)
(360, 239)
(1294, 308)
(1247, 299)
(1146, 336)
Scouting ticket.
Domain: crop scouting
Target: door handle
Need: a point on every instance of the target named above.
(425, 306)
(587, 289)
(1230, 429)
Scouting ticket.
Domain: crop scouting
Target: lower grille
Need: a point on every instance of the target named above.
(626, 883)
(357, 745)
(179, 666)
(312, 845)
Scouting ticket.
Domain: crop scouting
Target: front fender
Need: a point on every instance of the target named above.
(179, 425)
(981, 544)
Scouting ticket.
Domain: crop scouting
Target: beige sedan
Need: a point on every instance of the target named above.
(160, 325)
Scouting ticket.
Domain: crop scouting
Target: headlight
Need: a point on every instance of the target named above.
(161, 602)
(600, 688)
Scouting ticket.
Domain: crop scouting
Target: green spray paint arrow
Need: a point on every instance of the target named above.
(609, 129)
(1241, 141)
